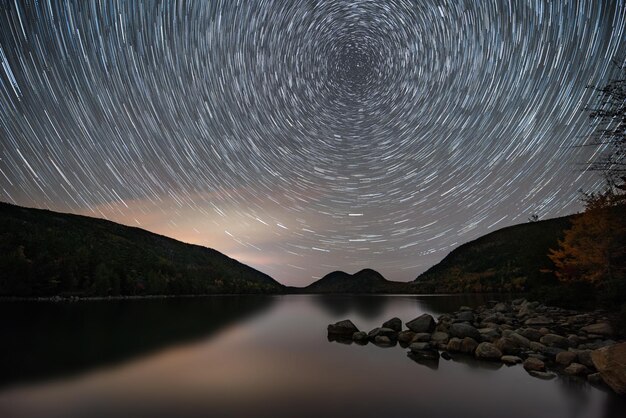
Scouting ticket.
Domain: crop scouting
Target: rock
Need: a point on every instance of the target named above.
(468, 345)
(584, 357)
(601, 328)
(465, 308)
(552, 352)
(542, 375)
(611, 363)
(525, 310)
(544, 330)
(594, 378)
(510, 360)
(440, 338)
(394, 324)
(553, 340)
(454, 345)
(501, 307)
(537, 347)
(576, 369)
(382, 332)
(489, 334)
(520, 340)
(406, 336)
(342, 328)
(467, 316)
(538, 321)
(445, 356)
(419, 346)
(423, 323)
(359, 336)
(382, 340)
(428, 358)
(462, 330)
(534, 364)
(487, 351)
(530, 333)
(422, 337)
(564, 358)
(507, 346)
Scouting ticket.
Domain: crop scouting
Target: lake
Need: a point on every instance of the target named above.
(255, 356)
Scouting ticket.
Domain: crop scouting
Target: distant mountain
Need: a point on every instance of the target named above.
(507, 260)
(44, 253)
(364, 281)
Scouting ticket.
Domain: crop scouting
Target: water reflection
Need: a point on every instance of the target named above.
(44, 340)
(365, 306)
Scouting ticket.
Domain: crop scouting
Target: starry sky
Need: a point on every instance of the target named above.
(303, 136)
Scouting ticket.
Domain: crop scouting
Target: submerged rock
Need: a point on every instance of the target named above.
(534, 364)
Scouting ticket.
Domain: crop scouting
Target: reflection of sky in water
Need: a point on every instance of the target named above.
(280, 364)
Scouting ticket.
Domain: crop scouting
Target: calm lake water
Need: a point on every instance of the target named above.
(234, 356)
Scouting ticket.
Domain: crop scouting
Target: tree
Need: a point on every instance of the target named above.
(593, 250)
(609, 112)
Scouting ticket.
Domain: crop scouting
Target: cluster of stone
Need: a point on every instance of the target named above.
(545, 340)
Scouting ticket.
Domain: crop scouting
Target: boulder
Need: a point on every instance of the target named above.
(359, 336)
(382, 332)
(487, 351)
(489, 334)
(501, 307)
(394, 324)
(565, 358)
(454, 345)
(553, 340)
(440, 338)
(510, 360)
(342, 328)
(468, 345)
(530, 333)
(611, 363)
(534, 364)
(422, 337)
(383, 340)
(601, 328)
(423, 323)
(507, 346)
(584, 357)
(419, 346)
(576, 369)
(520, 340)
(537, 347)
(462, 330)
(538, 321)
(406, 336)
(467, 316)
(541, 375)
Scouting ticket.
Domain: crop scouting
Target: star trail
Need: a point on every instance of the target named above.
(302, 137)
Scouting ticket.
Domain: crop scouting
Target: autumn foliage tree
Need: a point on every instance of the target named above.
(593, 250)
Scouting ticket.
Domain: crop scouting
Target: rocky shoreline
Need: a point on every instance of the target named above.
(545, 340)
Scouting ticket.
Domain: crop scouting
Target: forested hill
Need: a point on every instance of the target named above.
(364, 281)
(45, 253)
(507, 260)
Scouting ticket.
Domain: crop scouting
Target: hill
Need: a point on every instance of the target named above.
(45, 253)
(507, 260)
(364, 281)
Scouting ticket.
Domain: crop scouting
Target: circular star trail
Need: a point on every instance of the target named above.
(302, 136)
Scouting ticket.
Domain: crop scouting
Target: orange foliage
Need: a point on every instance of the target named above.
(594, 249)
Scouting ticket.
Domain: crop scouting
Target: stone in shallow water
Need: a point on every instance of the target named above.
(422, 337)
(462, 330)
(565, 358)
(394, 324)
(611, 363)
(542, 375)
(510, 360)
(468, 345)
(360, 336)
(406, 336)
(454, 345)
(440, 337)
(534, 364)
(539, 320)
(344, 328)
(487, 351)
(576, 369)
(553, 340)
(423, 323)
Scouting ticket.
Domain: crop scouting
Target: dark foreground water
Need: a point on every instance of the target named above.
(255, 357)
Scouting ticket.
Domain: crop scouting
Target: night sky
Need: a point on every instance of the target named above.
(302, 137)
